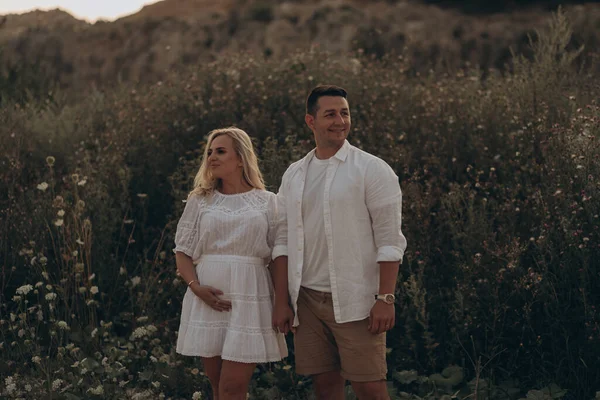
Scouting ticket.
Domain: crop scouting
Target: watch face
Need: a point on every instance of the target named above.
(389, 298)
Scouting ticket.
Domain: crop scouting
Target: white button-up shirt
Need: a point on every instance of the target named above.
(362, 207)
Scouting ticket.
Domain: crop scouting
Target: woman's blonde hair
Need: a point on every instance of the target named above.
(205, 184)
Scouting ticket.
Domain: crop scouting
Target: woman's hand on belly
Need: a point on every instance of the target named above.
(210, 296)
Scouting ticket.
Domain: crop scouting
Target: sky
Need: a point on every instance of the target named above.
(90, 10)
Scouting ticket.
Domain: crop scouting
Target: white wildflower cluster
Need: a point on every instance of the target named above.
(94, 290)
(10, 385)
(135, 281)
(57, 384)
(143, 331)
(62, 325)
(50, 296)
(24, 290)
(98, 390)
(197, 396)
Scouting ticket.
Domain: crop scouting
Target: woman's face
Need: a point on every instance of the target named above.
(223, 161)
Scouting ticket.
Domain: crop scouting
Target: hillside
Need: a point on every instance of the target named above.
(174, 33)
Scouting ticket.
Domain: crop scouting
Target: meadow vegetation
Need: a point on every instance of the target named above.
(499, 289)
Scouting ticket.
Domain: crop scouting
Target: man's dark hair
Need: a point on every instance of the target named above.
(320, 91)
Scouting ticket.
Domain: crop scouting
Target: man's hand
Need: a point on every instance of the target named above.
(283, 317)
(382, 317)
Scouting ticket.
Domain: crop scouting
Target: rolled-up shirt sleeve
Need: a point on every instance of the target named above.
(384, 202)
(281, 233)
(186, 236)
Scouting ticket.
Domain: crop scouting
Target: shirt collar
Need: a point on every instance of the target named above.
(341, 154)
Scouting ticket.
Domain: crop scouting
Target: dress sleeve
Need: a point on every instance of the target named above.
(186, 237)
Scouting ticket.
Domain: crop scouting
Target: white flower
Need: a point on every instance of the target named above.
(16, 299)
(197, 396)
(98, 390)
(82, 182)
(21, 333)
(59, 222)
(39, 284)
(61, 213)
(50, 296)
(122, 271)
(57, 384)
(94, 290)
(36, 359)
(156, 384)
(92, 276)
(24, 290)
(42, 186)
(43, 260)
(28, 388)
(135, 281)
(82, 289)
(45, 275)
(142, 319)
(94, 332)
(79, 242)
(62, 325)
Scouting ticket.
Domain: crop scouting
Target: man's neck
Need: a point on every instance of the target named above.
(324, 153)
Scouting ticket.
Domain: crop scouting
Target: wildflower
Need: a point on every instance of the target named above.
(50, 161)
(75, 253)
(50, 296)
(57, 384)
(24, 290)
(45, 275)
(91, 277)
(197, 396)
(156, 384)
(43, 260)
(42, 186)
(62, 325)
(79, 242)
(33, 260)
(122, 271)
(58, 202)
(94, 290)
(82, 182)
(11, 386)
(36, 359)
(28, 388)
(94, 332)
(21, 333)
(16, 299)
(135, 281)
(142, 319)
(98, 390)
(82, 289)
(61, 213)
(59, 222)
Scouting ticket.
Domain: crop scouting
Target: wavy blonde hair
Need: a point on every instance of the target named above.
(205, 184)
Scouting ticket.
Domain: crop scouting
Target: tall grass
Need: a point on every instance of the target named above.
(498, 292)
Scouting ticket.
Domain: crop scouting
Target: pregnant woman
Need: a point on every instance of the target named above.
(223, 244)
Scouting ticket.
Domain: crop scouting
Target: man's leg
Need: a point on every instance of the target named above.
(315, 349)
(374, 390)
(329, 385)
(362, 359)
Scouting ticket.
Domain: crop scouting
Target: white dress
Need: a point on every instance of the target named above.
(230, 238)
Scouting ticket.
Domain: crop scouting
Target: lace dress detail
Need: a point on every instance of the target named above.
(230, 238)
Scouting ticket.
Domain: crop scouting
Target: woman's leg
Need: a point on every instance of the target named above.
(212, 369)
(234, 381)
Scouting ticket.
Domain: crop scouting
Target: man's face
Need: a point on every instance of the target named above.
(331, 124)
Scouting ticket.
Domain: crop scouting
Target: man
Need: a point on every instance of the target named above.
(338, 250)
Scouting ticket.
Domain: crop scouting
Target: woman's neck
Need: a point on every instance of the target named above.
(234, 186)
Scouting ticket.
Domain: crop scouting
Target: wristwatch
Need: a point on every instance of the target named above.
(386, 298)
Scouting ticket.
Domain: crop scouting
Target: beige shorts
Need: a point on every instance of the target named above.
(323, 345)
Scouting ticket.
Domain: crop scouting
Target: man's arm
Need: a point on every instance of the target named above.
(384, 201)
(283, 316)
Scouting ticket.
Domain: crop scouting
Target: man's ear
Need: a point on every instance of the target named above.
(310, 121)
